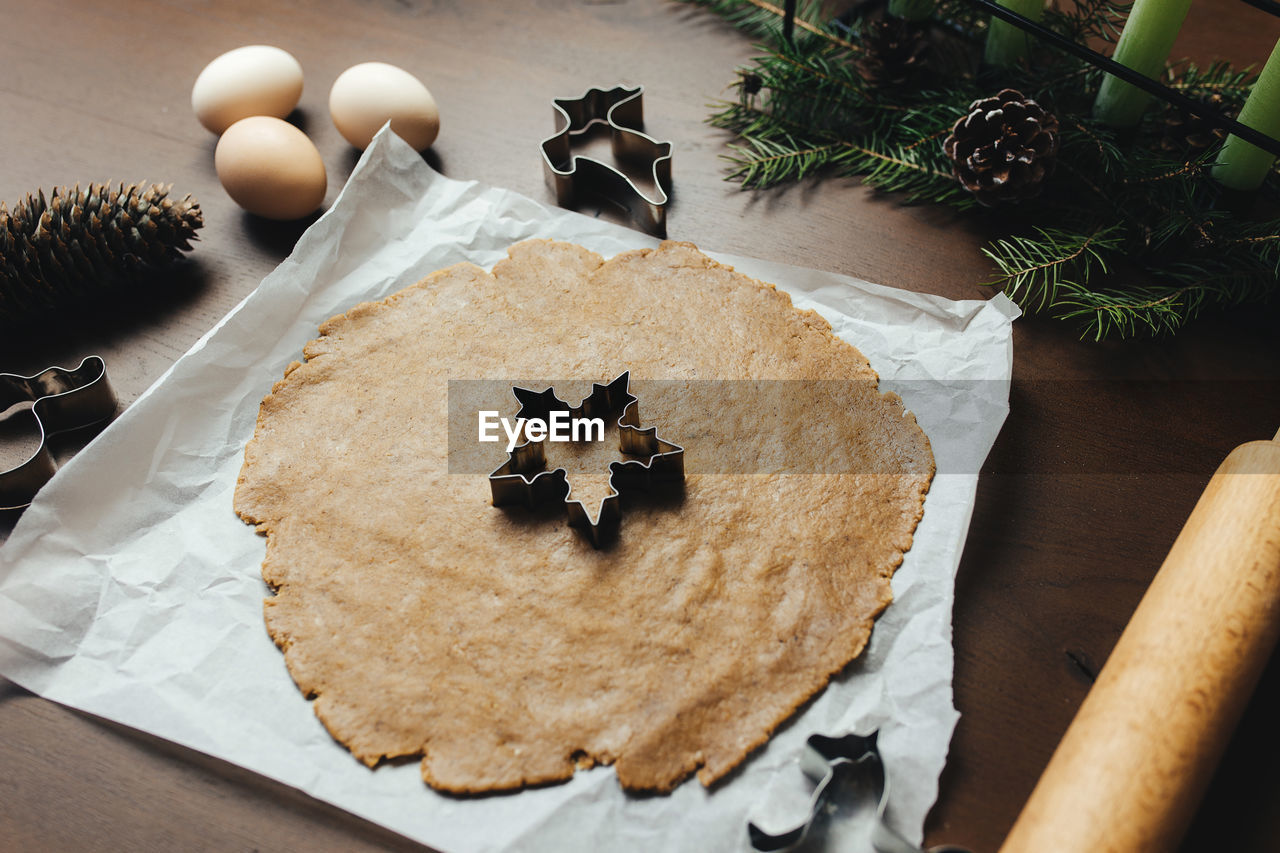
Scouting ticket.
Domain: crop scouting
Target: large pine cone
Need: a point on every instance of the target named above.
(55, 251)
(1004, 148)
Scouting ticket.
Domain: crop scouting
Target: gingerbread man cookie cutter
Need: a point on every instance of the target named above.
(524, 480)
(573, 176)
(61, 400)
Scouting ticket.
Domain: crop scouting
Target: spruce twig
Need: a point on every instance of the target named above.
(1034, 269)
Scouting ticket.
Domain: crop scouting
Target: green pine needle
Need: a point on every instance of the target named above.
(1035, 269)
(1217, 78)
(761, 162)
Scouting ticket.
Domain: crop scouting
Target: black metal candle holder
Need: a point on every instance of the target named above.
(1214, 117)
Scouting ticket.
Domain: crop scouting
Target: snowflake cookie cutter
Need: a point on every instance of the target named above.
(61, 400)
(572, 176)
(524, 480)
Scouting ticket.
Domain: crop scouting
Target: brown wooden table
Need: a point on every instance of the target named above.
(1103, 456)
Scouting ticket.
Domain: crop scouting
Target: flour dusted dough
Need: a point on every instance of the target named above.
(500, 646)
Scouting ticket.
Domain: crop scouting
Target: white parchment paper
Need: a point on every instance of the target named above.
(130, 589)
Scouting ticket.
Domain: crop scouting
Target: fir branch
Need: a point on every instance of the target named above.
(1086, 20)
(1124, 312)
(919, 173)
(1169, 173)
(1033, 269)
(805, 108)
(762, 163)
(761, 18)
(754, 122)
(1258, 245)
(1162, 307)
(916, 172)
(1091, 142)
(935, 137)
(1052, 82)
(798, 88)
(817, 69)
(812, 87)
(1218, 78)
(1267, 244)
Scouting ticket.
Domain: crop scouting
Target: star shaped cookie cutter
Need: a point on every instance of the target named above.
(523, 478)
(849, 776)
(61, 400)
(570, 176)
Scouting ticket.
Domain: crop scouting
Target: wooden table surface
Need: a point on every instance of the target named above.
(1104, 454)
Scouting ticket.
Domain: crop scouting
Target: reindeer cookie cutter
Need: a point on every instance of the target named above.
(572, 176)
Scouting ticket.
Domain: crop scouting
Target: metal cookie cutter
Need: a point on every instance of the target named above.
(61, 400)
(572, 176)
(850, 777)
(515, 481)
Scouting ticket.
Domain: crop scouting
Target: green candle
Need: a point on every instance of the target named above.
(1242, 165)
(1006, 44)
(1144, 46)
(911, 10)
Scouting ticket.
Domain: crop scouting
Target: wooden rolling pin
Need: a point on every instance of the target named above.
(1134, 763)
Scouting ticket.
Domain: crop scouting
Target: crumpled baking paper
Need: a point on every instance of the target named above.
(131, 590)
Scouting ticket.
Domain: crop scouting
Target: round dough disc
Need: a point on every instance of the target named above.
(498, 644)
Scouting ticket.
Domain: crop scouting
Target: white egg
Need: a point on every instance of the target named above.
(256, 80)
(368, 95)
(270, 168)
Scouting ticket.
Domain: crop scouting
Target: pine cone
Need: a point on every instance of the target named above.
(78, 241)
(1004, 148)
(1187, 133)
(894, 52)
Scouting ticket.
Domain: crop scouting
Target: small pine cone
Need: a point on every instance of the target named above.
(1004, 148)
(78, 241)
(1187, 133)
(895, 52)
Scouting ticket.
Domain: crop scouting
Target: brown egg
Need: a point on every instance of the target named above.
(270, 168)
(368, 95)
(255, 80)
